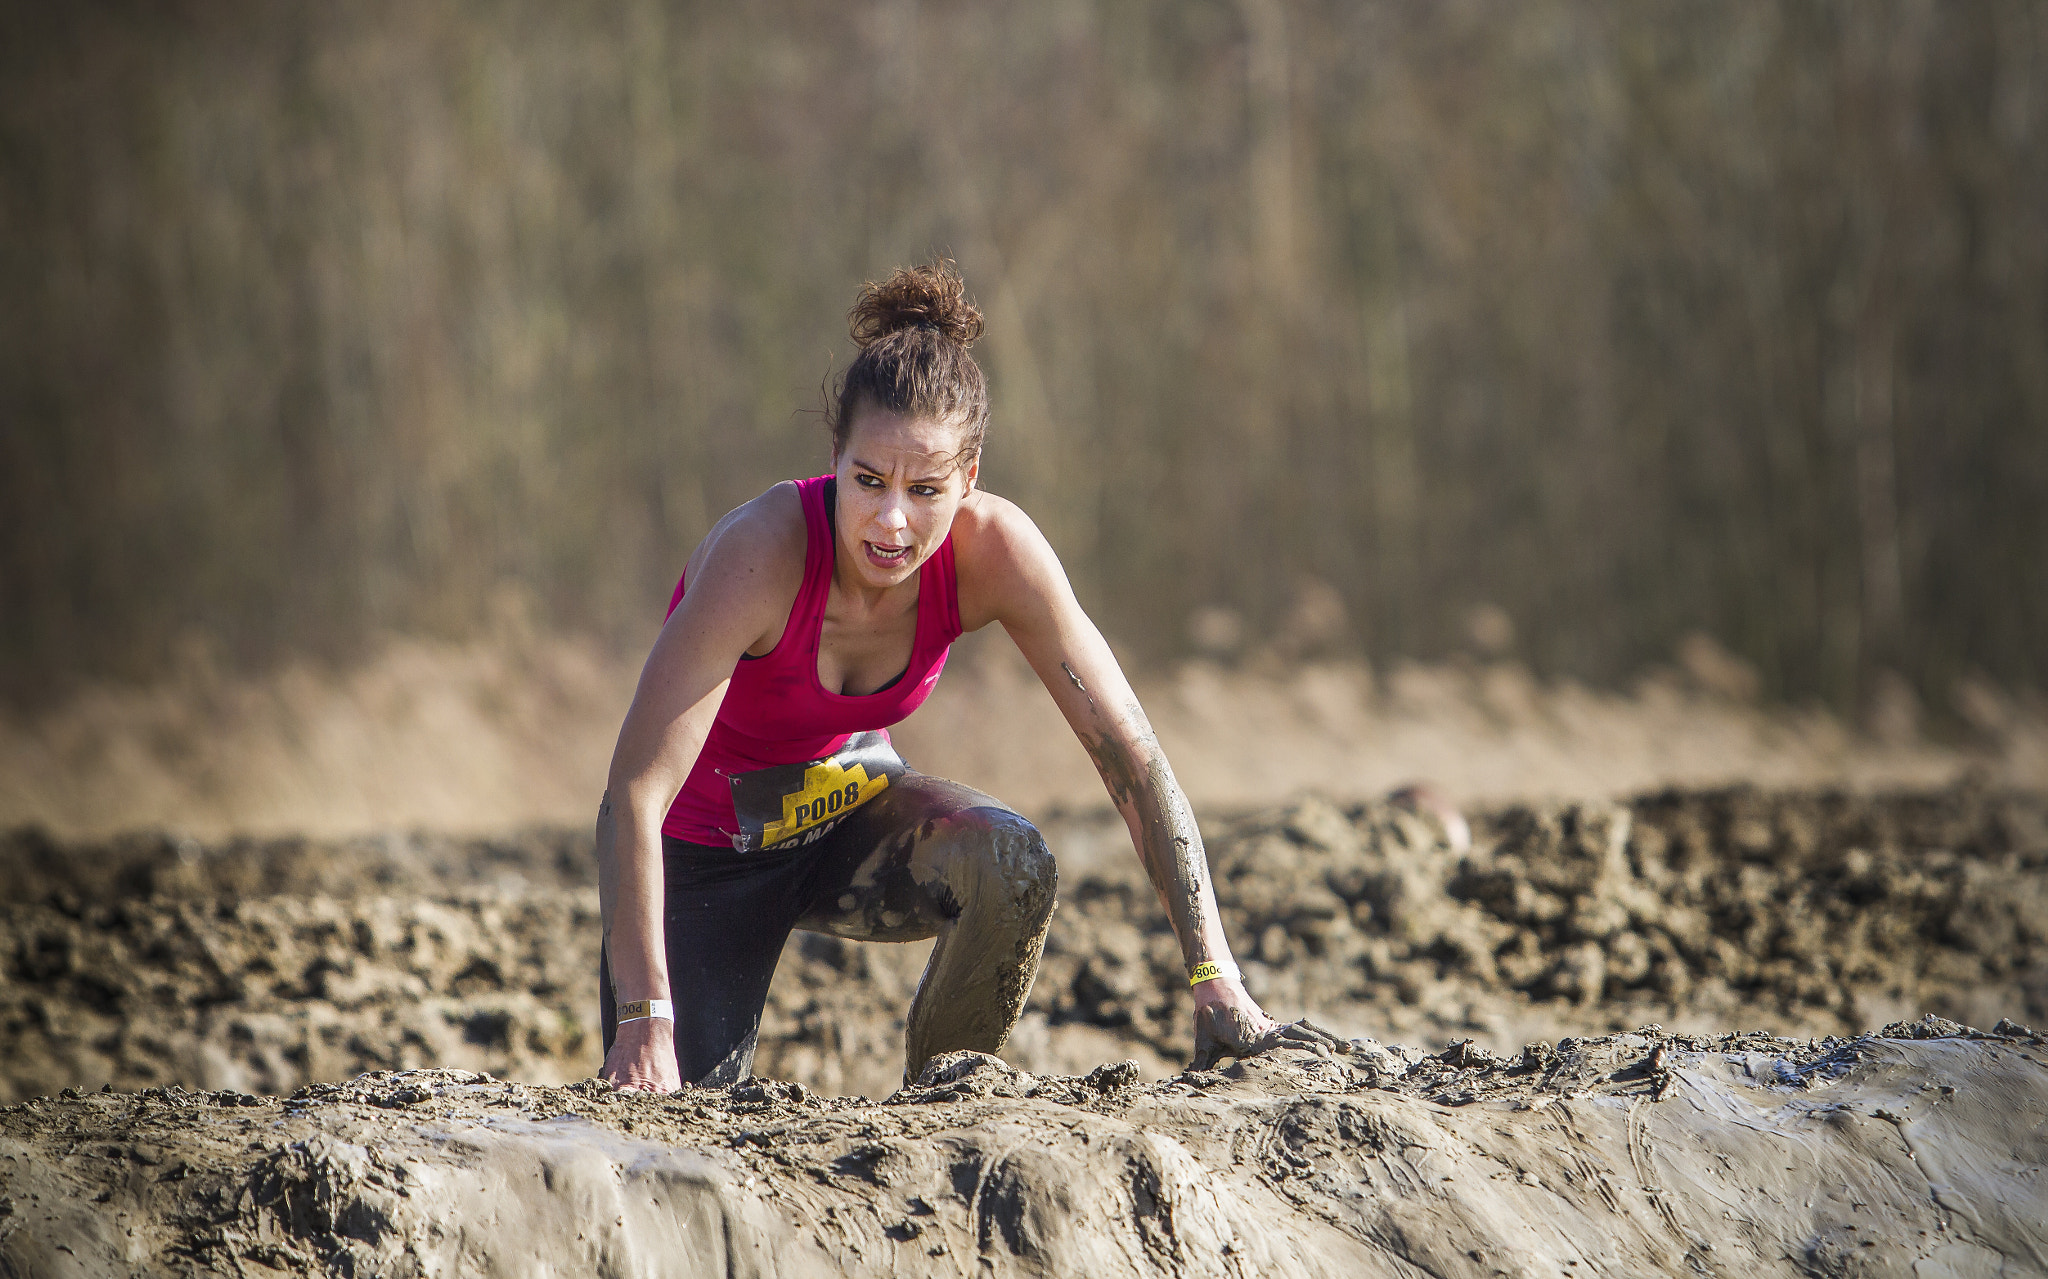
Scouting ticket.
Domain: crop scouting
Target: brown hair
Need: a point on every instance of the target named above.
(914, 329)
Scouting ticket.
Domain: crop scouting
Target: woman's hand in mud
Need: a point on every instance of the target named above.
(643, 1057)
(1229, 1023)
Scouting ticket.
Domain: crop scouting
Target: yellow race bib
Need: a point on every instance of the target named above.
(795, 804)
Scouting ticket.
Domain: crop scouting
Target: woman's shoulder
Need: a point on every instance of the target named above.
(1003, 562)
(989, 529)
(766, 534)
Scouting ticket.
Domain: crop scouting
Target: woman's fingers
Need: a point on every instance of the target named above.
(1207, 1051)
(642, 1077)
(1304, 1034)
(643, 1058)
(1222, 1031)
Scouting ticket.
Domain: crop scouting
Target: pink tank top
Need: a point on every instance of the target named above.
(776, 712)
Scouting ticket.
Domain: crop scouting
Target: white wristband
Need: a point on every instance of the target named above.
(644, 1009)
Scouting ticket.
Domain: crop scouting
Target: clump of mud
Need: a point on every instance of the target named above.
(1915, 1152)
(262, 966)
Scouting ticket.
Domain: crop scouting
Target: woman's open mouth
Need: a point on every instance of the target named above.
(887, 556)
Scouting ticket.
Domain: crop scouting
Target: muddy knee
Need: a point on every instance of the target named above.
(996, 862)
(999, 883)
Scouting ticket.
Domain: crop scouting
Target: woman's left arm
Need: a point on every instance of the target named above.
(1011, 575)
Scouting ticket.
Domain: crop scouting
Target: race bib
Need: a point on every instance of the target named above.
(795, 804)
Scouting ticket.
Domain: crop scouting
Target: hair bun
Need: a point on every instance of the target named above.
(933, 296)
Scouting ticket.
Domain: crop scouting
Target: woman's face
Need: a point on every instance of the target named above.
(899, 487)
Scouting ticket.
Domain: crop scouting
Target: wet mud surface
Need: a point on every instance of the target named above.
(1919, 1151)
(1570, 1102)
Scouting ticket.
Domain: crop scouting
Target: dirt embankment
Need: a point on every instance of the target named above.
(259, 967)
(1913, 1153)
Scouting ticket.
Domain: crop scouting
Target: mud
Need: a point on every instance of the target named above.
(252, 971)
(263, 966)
(1802, 913)
(1916, 1152)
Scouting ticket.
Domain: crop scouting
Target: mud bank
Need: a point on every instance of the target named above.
(262, 966)
(1918, 1151)
(1801, 913)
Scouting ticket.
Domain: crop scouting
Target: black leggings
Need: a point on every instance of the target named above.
(927, 857)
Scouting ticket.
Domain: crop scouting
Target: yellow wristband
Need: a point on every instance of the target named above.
(1209, 972)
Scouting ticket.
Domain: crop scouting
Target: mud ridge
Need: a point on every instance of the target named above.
(1638, 1153)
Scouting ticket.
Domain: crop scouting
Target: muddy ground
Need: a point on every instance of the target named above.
(263, 966)
(229, 997)
(1915, 1153)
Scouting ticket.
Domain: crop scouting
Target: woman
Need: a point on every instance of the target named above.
(752, 790)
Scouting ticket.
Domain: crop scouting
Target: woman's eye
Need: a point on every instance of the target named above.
(924, 490)
(868, 481)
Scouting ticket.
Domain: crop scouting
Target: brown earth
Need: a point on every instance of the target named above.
(288, 966)
(1914, 1153)
(263, 966)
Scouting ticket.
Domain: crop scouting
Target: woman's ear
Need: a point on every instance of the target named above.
(973, 472)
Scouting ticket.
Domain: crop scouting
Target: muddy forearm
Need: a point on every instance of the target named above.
(629, 890)
(1170, 846)
(1168, 843)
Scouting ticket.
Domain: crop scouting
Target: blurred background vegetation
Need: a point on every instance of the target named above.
(1565, 328)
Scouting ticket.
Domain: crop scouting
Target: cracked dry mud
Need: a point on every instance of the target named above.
(156, 964)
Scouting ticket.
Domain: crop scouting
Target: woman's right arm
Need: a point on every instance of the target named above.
(742, 582)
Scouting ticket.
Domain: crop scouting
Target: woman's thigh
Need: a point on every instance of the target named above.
(880, 875)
